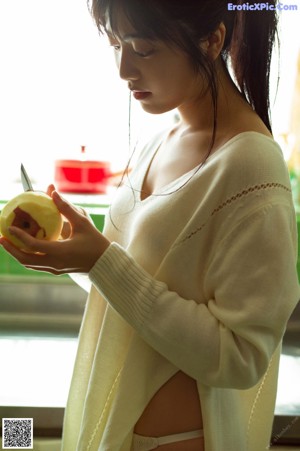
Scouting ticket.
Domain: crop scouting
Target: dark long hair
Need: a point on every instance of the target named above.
(250, 36)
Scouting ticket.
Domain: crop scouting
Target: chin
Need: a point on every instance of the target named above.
(152, 108)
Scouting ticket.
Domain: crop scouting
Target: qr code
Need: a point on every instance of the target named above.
(17, 433)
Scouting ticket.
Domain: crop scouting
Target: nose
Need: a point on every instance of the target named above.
(127, 68)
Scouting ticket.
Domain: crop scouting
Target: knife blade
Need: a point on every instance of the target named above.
(27, 185)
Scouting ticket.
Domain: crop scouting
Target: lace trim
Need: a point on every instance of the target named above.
(250, 190)
(232, 199)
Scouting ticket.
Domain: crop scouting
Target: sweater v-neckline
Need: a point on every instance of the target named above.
(164, 189)
(167, 186)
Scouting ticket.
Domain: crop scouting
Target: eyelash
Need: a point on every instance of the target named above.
(141, 54)
(144, 54)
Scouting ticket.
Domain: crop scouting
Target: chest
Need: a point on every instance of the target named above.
(148, 228)
(172, 160)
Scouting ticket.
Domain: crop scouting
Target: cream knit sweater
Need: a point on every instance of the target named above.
(201, 279)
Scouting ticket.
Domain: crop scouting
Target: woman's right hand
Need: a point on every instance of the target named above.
(66, 229)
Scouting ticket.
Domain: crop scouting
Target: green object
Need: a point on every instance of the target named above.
(298, 261)
(10, 267)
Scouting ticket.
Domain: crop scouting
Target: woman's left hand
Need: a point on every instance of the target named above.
(77, 253)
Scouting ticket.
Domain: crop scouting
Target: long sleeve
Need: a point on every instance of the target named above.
(202, 278)
(250, 287)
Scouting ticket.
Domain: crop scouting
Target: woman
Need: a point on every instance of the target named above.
(193, 279)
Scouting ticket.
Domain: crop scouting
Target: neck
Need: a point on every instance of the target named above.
(198, 113)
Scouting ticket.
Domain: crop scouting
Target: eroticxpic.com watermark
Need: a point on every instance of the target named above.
(262, 7)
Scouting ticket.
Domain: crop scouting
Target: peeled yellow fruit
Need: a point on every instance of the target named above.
(35, 213)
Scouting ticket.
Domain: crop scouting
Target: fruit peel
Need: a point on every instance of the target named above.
(35, 213)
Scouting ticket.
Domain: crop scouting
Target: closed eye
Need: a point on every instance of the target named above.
(140, 47)
(112, 41)
(144, 54)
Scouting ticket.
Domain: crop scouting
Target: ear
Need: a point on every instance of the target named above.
(213, 45)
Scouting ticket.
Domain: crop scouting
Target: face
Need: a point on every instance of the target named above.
(160, 77)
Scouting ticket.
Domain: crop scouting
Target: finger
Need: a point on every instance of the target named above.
(66, 230)
(32, 244)
(66, 209)
(36, 261)
(14, 251)
(7, 245)
(50, 189)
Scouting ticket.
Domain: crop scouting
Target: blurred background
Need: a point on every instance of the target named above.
(60, 90)
(61, 101)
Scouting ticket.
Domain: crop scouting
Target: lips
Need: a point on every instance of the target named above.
(140, 94)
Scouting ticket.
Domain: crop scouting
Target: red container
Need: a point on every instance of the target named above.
(76, 176)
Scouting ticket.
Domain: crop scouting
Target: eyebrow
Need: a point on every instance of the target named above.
(126, 37)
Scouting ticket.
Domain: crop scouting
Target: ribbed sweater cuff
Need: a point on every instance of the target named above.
(125, 285)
